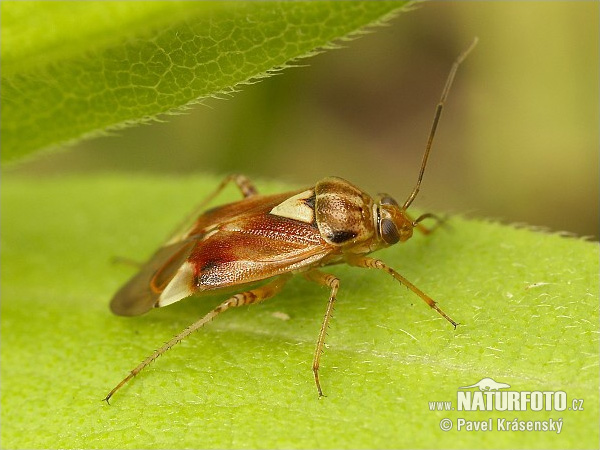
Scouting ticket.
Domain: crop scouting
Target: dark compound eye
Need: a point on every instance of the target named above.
(389, 232)
(387, 200)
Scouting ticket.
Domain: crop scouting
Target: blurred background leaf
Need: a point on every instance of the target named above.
(518, 140)
(110, 65)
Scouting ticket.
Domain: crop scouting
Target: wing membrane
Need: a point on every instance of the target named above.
(138, 296)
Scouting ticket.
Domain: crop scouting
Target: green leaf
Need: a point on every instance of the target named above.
(527, 302)
(75, 69)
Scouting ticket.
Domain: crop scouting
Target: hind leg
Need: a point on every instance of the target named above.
(245, 298)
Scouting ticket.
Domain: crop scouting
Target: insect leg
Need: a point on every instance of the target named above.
(439, 222)
(126, 261)
(372, 263)
(327, 280)
(245, 298)
(245, 186)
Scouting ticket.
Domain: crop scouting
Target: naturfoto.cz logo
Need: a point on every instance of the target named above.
(493, 396)
(489, 395)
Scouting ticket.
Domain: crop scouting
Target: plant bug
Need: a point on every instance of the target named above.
(269, 238)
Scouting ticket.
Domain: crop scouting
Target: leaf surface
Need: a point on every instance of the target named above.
(76, 69)
(527, 303)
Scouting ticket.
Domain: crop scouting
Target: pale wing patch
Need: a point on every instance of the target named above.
(179, 287)
(296, 208)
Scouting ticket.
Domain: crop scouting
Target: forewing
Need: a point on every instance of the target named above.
(246, 250)
(231, 245)
(142, 291)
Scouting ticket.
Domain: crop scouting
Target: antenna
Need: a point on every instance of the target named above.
(436, 119)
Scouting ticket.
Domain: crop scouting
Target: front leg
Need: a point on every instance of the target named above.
(372, 263)
(439, 222)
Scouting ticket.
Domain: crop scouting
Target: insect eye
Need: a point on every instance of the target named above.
(389, 232)
(387, 200)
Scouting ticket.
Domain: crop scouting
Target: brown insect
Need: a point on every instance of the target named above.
(268, 238)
